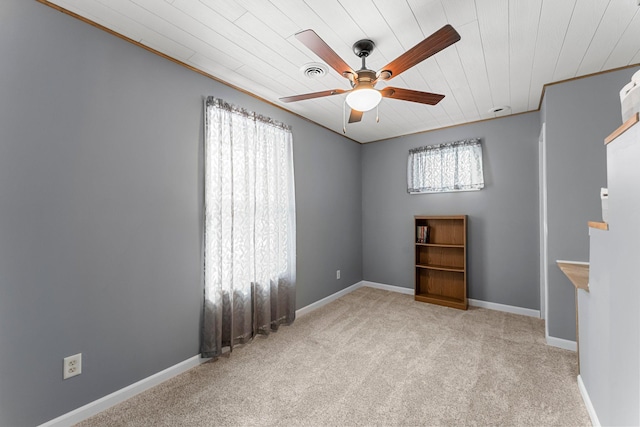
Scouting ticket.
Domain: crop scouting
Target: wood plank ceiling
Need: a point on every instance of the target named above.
(508, 51)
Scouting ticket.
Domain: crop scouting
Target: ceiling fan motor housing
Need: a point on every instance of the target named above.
(366, 76)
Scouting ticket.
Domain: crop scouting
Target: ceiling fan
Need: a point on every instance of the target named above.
(363, 96)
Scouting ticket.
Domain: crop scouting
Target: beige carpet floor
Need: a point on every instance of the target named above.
(375, 357)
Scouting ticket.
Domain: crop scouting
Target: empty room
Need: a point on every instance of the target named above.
(319, 212)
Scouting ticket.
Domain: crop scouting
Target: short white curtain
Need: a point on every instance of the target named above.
(249, 251)
(454, 166)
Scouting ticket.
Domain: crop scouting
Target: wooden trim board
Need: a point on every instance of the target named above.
(102, 27)
(184, 64)
(623, 128)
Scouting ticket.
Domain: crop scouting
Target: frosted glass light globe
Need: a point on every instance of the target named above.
(363, 99)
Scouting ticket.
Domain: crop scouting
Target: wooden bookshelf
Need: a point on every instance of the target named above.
(441, 261)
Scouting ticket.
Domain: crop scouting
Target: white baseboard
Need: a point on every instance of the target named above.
(121, 395)
(562, 343)
(97, 406)
(324, 301)
(503, 307)
(409, 291)
(555, 342)
(587, 402)
(391, 288)
(472, 302)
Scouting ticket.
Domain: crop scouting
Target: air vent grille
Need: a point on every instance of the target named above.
(314, 70)
(503, 109)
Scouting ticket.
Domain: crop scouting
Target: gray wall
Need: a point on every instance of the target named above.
(503, 217)
(579, 114)
(101, 210)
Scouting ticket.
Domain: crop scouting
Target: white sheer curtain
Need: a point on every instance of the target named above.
(250, 236)
(454, 166)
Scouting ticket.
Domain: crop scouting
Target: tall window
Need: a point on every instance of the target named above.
(250, 237)
(454, 166)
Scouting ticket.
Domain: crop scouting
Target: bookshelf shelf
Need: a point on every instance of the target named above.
(441, 260)
(439, 245)
(441, 267)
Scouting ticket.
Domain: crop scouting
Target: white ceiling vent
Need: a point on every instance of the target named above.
(314, 70)
(504, 109)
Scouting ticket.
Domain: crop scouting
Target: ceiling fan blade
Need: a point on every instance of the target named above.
(312, 95)
(411, 95)
(313, 41)
(444, 37)
(355, 116)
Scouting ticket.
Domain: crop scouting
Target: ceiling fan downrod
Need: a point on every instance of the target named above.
(362, 49)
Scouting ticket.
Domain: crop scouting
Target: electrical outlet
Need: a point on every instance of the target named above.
(72, 366)
(337, 274)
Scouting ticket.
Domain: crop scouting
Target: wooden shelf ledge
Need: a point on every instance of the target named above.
(577, 272)
(598, 225)
(622, 129)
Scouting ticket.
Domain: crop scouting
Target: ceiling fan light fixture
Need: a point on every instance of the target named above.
(364, 99)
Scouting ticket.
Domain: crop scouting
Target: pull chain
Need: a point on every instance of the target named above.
(377, 116)
(344, 116)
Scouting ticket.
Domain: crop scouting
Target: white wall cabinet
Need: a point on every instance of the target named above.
(609, 318)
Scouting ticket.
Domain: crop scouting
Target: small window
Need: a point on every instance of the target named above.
(454, 166)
